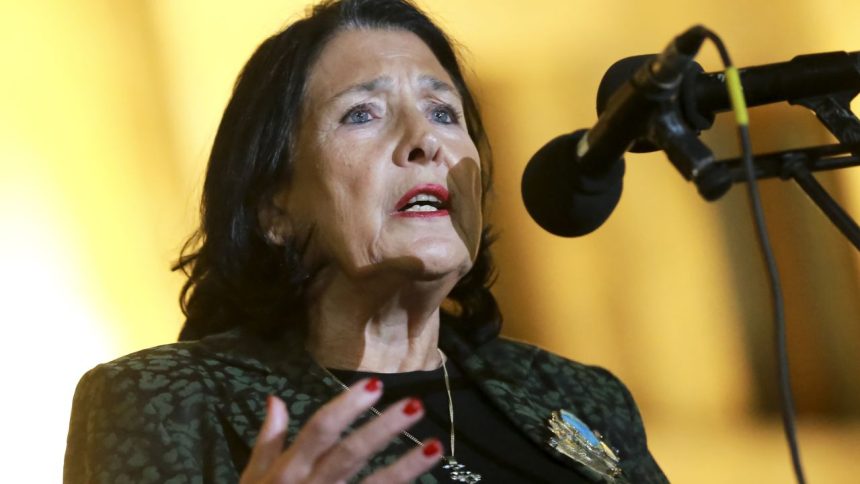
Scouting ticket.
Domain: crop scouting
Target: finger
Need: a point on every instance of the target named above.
(347, 457)
(324, 429)
(414, 463)
(270, 441)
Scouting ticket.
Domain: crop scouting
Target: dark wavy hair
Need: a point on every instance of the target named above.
(236, 275)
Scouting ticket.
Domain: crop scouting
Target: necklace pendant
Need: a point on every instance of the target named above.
(458, 472)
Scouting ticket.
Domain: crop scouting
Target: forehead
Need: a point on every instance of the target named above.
(361, 55)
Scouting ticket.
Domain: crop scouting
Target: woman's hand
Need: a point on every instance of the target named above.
(320, 453)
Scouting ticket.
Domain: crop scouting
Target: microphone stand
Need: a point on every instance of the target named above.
(834, 112)
(669, 130)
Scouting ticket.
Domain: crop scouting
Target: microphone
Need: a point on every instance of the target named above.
(702, 95)
(573, 183)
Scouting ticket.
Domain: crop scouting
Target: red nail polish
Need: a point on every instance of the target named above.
(372, 385)
(412, 407)
(432, 448)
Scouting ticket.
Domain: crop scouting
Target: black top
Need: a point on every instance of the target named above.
(486, 441)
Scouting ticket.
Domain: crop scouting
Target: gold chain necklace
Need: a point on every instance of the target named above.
(456, 471)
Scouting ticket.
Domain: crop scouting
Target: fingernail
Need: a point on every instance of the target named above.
(431, 448)
(412, 407)
(372, 385)
(269, 402)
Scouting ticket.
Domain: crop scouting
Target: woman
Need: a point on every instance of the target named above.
(343, 245)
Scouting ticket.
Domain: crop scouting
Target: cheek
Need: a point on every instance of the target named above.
(335, 196)
(347, 213)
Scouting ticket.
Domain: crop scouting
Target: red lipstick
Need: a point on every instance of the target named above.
(430, 195)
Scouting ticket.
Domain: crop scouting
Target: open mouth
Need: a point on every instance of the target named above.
(424, 200)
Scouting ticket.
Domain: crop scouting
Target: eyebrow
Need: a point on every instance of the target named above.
(433, 83)
(437, 84)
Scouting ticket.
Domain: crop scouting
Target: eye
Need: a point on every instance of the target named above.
(445, 114)
(358, 115)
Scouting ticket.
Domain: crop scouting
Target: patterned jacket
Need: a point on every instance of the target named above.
(189, 412)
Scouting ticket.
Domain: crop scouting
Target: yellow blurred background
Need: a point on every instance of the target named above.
(108, 109)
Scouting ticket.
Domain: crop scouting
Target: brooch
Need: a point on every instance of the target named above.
(574, 439)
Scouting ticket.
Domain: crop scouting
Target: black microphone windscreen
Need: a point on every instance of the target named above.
(563, 200)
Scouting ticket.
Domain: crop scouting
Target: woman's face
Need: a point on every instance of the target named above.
(386, 177)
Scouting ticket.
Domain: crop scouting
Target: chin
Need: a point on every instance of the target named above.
(423, 259)
(440, 263)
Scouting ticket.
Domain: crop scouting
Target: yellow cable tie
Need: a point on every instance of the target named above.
(736, 94)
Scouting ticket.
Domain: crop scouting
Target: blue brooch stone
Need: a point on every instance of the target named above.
(573, 438)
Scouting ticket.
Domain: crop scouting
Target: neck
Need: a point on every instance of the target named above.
(383, 326)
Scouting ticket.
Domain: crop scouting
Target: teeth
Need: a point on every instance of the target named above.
(424, 197)
(421, 208)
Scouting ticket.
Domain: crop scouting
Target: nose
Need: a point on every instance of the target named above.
(418, 144)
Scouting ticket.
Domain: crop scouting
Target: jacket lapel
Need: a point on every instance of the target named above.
(257, 368)
(504, 372)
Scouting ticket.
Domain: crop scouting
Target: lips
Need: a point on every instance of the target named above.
(426, 200)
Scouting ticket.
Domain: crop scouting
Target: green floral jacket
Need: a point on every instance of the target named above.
(189, 412)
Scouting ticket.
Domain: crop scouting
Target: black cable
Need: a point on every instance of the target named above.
(787, 399)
